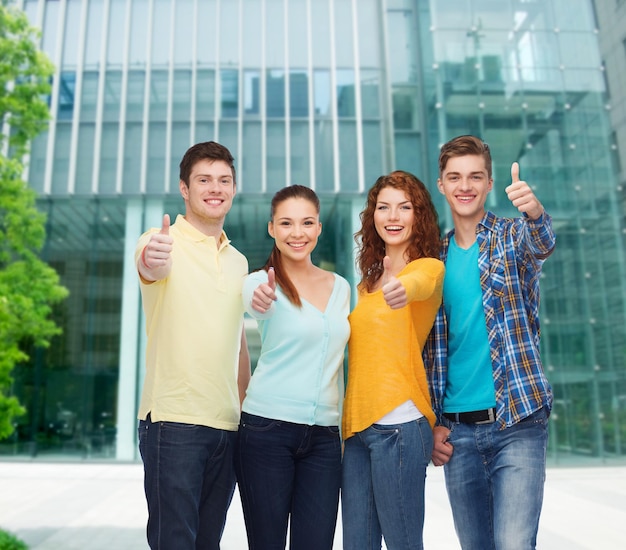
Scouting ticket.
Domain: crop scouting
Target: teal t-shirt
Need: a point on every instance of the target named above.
(470, 379)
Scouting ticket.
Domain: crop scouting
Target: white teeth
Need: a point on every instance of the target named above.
(393, 228)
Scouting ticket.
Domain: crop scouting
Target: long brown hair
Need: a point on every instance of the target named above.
(275, 260)
(426, 237)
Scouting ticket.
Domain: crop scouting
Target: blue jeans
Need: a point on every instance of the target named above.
(384, 471)
(288, 473)
(495, 482)
(189, 481)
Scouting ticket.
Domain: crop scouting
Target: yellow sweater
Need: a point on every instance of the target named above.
(385, 366)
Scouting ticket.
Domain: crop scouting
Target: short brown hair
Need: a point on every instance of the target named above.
(465, 145)
(208, 150)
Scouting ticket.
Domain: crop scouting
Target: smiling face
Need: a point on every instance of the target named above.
(465, 183)
(295, 228)
(393, 218)
(209, 196)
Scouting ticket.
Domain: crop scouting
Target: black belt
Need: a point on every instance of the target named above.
(486, 416)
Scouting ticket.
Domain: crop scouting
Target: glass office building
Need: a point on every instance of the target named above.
(329, 94)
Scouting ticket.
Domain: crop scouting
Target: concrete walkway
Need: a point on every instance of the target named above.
(100, 506)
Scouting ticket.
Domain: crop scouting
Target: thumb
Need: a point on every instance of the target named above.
(515, 172)
(165, 227)
(386, 270)
(271, 278)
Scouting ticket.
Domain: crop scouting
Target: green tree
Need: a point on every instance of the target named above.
(28, 286)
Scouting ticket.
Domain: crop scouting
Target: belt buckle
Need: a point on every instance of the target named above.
(491, 419)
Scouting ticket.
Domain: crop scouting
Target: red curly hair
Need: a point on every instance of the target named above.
(427, 238)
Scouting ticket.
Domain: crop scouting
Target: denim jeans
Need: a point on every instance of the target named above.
(288, 473)
(495, 481)
(384, 471)
(189, 481)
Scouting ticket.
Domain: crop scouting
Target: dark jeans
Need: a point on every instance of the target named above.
(189, 482)
(288, 473)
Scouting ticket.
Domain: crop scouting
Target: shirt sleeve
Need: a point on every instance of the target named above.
(538, 236)
(423, 280)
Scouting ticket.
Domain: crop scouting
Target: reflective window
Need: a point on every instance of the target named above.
(181, 90)
(131, 168)
(70, 43)
(229, 80)
(276, 175)
(344, 33)
(138, 34)
(67, 89)
(298, 31)
(205, 47)
(205, 94)
(60, 170)
(108, 158)
(275, 33)
(93, 35)
(158, 94)
(298, 94)
(300, 158)
(345, 93)
(252, 38)
(156, 157)
(161, 32)
(117, 17)
(184, 20)
(84, 158)
(251, 159)
(319, 23)
(251, 92)
(321, 93)
(275, 93)
(324, 156)
(348, 162)
(112, 95)
(370, 94)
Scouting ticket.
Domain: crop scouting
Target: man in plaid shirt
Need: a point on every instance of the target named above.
(488, 386)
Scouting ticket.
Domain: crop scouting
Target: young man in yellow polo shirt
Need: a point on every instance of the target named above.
(197, 362)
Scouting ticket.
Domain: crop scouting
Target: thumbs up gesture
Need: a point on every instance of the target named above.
(393, 291)
(158, 250)
(265, 294)
(522, 196)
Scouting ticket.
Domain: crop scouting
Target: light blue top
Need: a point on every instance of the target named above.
(470, 376)
(299, 375)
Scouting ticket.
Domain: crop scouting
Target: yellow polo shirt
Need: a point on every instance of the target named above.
(194, 319)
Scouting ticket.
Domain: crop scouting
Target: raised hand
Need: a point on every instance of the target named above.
(157, 252)
(393, 291)
(521, 195)
(265, 294)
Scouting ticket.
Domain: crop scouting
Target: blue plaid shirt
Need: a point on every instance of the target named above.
(511, 253)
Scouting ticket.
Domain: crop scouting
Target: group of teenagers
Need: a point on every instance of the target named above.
(443, 365)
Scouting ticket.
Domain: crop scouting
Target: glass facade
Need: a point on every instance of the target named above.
(329, 94)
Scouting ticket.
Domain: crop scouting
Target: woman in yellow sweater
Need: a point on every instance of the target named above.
(387, 414)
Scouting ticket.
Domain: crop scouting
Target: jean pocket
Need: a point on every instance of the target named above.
(142, 432)
(257, 423)
(539, 417)
(179, 426)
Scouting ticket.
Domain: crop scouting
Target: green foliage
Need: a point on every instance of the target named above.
(28, 286)
(11, 542)
(25, 73)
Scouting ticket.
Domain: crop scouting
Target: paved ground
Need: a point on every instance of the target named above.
(87, 506)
